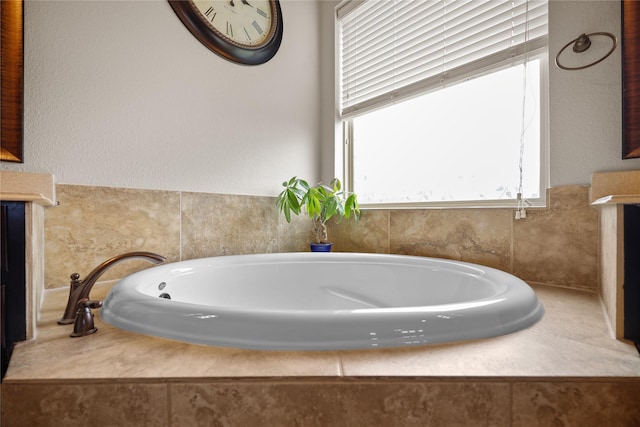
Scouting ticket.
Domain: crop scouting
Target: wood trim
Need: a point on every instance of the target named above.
(630, 79)
(12, 45)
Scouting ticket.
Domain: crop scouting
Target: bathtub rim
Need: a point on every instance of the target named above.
(498, 278)
(520, 293)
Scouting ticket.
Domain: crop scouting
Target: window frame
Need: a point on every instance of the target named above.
(345, 142)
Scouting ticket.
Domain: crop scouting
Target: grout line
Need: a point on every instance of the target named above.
(180, 226)
(510, 403)
(389, 231)
(512, 255)
(278, 233)
(605, 314)
(340, 367)
(168, 411)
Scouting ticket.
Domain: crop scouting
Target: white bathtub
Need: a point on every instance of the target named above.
(321, 301)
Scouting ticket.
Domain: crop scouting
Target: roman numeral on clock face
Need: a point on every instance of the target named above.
(210, 13)
(257, 27)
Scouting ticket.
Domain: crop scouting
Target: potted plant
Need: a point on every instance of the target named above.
(321, 203)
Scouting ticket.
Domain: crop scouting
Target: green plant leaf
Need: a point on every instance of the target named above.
(336, 185)
(322, 202)
(288, 200)
(331, 207)
(294, 203)
(304, 184)
(313, 203)
(287, 213)
(351, 207)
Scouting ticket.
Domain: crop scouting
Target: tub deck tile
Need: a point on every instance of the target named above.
(572, 340)
(565, 370)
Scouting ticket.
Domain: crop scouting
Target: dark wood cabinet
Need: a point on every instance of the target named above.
(12, 278)
(632, 273)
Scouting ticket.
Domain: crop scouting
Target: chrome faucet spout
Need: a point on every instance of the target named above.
(81, 288)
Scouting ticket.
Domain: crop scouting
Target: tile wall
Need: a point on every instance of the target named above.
(384, 402)
(376, 402)
(557, 245)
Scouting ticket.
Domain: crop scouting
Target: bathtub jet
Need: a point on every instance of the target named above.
(328, 301)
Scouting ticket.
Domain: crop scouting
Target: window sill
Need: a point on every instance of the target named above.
(468, 204)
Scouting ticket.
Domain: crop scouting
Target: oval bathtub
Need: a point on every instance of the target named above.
(321, 301)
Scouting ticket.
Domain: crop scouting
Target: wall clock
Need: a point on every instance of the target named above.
(244, 31)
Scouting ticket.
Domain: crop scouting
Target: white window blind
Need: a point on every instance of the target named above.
(392, 49)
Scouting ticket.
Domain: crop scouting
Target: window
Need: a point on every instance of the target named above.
(442, 101)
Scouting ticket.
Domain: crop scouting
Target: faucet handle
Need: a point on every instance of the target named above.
(85, 302)
(75, 278)
(83, 324)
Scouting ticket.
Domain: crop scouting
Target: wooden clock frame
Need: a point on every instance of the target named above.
(206, 34)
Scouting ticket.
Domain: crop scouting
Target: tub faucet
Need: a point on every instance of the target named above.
(80, 288)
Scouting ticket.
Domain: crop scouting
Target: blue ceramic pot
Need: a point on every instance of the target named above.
(320, 247)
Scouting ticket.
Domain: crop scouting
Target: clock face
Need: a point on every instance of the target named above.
(244, 31)
(247, 23)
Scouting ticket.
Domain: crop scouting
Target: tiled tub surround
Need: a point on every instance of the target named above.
(38, 192)
(564, 371)
(557, 245)
(610, 191)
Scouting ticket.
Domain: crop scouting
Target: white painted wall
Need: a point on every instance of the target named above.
(120, 94)
(585, 105)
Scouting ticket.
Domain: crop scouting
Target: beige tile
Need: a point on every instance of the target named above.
(563, 306)
(614, 183)
(217, 386)
(93, 224)
(114, 353)
(82, 405)
(481, 236)
(552, 246)
(296, 235)
(569, 198)
(559, 245)
(388, 404)
(221, 224)
(118, 354)
(518, 354)
(34, 251)
(370, 233)
(107, 355)
(612, 265)
(557, 345)
(597, 403)
(550, 348)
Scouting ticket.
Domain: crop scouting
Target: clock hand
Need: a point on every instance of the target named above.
(231, 3)
(246, 2)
